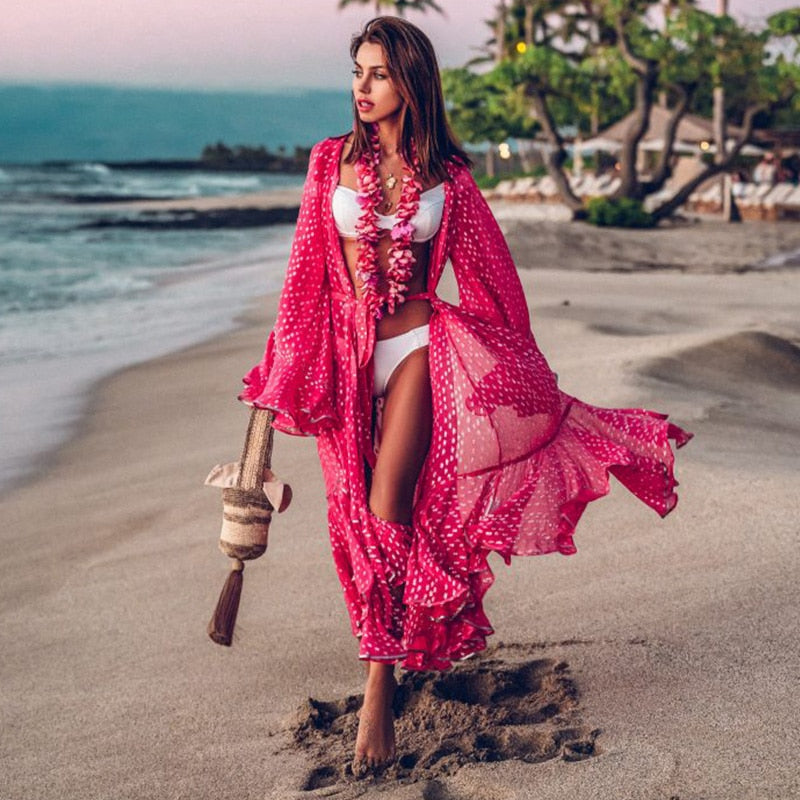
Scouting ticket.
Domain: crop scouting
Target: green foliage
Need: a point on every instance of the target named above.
(489, 181)
(480, 110)
(587, 64)
(785, 23)
(623, 212)
(781, 79)
(577, 61)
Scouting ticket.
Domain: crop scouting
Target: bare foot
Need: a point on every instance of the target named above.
(375, 745)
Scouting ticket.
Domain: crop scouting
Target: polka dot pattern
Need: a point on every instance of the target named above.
(513, 460)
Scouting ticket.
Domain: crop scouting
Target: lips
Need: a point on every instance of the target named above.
(364, 105)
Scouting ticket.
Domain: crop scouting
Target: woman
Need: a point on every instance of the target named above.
(440, 428)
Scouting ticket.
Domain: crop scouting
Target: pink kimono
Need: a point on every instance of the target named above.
(513, 460)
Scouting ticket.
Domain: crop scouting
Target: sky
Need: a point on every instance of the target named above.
(225, 44)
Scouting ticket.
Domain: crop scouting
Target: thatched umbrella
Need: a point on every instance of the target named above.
(692, 130)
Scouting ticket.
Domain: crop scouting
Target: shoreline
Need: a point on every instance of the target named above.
(71, 428)
(257, 209)
(267, 199)
(668, 627)
(181, 307)
(572, 245)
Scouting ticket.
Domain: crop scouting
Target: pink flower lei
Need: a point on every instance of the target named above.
(401, 259)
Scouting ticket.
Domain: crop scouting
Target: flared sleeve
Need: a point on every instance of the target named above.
(488, 284)
(295, 378)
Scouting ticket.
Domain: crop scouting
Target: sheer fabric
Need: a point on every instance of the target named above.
(513, 460)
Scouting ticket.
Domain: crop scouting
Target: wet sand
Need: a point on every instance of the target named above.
(658, 662)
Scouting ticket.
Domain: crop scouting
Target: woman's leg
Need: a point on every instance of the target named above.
(375, 739)
(405, 437)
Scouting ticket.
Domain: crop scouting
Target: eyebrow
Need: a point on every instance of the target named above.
(374, 66)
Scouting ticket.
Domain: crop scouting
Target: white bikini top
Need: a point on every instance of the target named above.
(426, 221)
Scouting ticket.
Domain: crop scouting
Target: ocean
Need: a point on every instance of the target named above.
(101, 123)
(78, 303)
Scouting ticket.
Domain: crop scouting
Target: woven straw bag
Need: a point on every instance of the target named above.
(250, 493)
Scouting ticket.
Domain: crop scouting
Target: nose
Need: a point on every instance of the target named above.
(363, 84)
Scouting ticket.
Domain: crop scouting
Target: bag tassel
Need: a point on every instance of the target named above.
(222, 623)
(250, 493)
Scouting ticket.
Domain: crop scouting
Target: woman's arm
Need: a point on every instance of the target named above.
(488, 284)
(295, 377)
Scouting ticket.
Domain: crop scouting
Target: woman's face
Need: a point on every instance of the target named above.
(375, 94)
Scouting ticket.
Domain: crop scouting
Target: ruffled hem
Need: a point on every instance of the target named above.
(434, 642)
(308, 417)
(444, 620)
(534, 505)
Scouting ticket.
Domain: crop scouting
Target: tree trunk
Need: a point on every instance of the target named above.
(500, 32)
(525, 155)
(489, 161)
(730, 211)
(629, 175)
(663, 168)
(577, 156)
(555, 157)
(529, 23)
(646, 71)
(678, 199)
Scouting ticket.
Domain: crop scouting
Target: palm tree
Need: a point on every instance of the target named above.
(400, 6)
(730, 211)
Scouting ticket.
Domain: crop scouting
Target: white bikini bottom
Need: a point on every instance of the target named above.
(389, 353)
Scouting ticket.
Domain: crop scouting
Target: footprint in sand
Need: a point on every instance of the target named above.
(489, 709)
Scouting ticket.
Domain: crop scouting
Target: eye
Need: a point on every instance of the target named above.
(381, 76)
(357, 73)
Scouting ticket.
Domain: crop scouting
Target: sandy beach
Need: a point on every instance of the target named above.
(661, 660)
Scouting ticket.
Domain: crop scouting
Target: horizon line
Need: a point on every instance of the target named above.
(56, 83)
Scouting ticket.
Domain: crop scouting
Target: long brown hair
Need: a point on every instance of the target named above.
(412, 67)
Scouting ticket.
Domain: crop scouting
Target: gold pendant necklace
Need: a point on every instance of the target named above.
(389, 183)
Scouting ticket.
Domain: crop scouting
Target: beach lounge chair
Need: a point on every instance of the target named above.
(750, 203)
(579, 182)
(547, 190)
(653, 201)
(789, 207)
(502, 191)
(589, 187)
(504, 187)
(602, 183)
(771, 204)
(710, 200)
(523, 187)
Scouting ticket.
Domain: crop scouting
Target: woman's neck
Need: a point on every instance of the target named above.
(389, 137)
